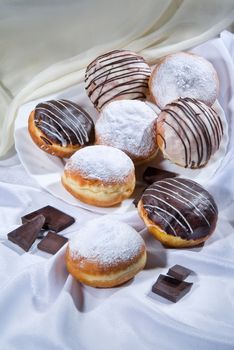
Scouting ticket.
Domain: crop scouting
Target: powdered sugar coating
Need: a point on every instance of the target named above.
(107, 242)
(184, 75)
(104, 163)
(128, 125)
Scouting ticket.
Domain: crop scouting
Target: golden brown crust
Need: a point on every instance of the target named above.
(162, 236)
(96, 192)
(96, 275)
(54, 149)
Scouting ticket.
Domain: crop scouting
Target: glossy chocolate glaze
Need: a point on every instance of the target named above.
(64, 122)
(181, 208)
(117, 74)
(194, 129)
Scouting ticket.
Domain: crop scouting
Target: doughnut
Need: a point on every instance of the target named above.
(60, 127)
(183, 75)
(178, 212)
(99, 175)
(129, 125)
(189, 132)
(105, 253)
(119, 74)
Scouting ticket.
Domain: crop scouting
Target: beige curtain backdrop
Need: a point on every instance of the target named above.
(46, 45)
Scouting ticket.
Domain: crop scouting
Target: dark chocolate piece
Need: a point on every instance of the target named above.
(51, 243)
(138, 197)
(55, 219)
(25, 235)
(152, 175)
(171, 288)
(179, 272)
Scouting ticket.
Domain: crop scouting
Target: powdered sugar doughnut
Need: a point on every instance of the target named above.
(105, 253)
(130, 126)
(189, 132)
(119, 74)
(99, 175)
(184, 75)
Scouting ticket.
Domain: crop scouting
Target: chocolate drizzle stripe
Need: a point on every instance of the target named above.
(182, 141)
(153, 206)
(167, 213)
(131, 89)
(175, 115)
(117, 69)
(184, 200)
(80, 129)
(170, 206)
(203, 128)
(191, 191)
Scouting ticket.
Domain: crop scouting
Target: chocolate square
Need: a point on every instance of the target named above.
(55, 219)
(179, 272)
(171, 288)
(25, 235)
(138, 197)
(51, 243)
(152, 175)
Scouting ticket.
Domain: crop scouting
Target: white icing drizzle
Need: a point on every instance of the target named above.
(172, 207)
(107, 242)
(71, 129)
(128, 125)
(184, 200)
(146, 206)
(176, 198)
(103, 163)
(191, 191)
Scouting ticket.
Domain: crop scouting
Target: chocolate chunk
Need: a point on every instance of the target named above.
(152, 175)
(171, 288)
(51, 243)
(179, 272)
(138, 197)
(25, 235)
(55, 219)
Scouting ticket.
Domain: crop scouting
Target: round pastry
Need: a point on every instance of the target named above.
(189, 132)
(128, 125)
(105, 253)
(184, 75)
(60, 127)
(178, 212)
(99, 175)
(119, 74)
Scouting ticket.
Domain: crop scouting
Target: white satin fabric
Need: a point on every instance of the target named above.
(45, 46)
(42, 307)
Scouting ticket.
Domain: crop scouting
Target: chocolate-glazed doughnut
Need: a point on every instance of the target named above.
(118, 74)
(178, 212)
(60, 127)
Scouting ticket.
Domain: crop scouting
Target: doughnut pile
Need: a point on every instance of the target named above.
(129, 126)
(178, 212)
(105, 253)
(99, 175)
(60, 127)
